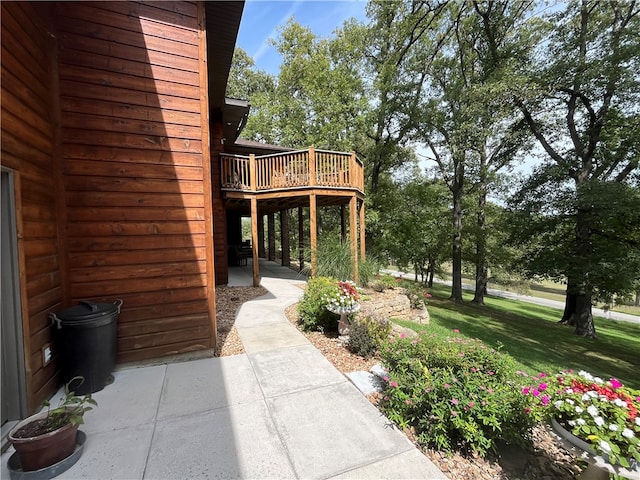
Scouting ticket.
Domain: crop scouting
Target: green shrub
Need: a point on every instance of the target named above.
(312, 311)
(380, 283)
(333, 259)
(457, 394)
(368, 334)
(416, 293)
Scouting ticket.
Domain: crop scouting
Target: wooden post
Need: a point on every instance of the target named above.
(252, 173)
(353, 175)
(343, 225)
(254, 241)
(312, 165)
(353, 234)
(285, 238)
(301, 238)
(271, 224)
(313, 234)
(362, 232)
(261, 250)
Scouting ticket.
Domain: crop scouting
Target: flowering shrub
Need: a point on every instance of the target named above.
(603, 413)
(368, 334)
(312, 308)
(344, 297)
(455, 394)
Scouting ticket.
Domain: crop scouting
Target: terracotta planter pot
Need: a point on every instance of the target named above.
(43, 450)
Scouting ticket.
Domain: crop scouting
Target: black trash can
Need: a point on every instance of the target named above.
(86, 344)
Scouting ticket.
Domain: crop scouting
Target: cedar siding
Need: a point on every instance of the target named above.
(105, 125)
(134, 176)
(28, 148)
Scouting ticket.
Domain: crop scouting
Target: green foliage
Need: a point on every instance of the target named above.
(380, 283)
(334, 260)
(368, 334)
(312, 307)
(457, 394)
(70, 409)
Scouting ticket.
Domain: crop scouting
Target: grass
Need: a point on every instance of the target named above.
(532, 335)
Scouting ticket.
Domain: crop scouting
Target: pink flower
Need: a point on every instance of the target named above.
(461, 354)
(545, 400)
(454, 401)
(615, 383)
(542, 375)
(474, 369)
(454, 413)
(446, 385)
(542, 387)
(536, 392)
(403, 335)
(408, 402)
(490, 390)
(471, 404)
(455, 330)
(393, 384)
(526, 390)
(527, 410)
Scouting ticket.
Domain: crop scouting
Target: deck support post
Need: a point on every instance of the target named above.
(313, 234)
(301, 238)
(285, 238)
(254, 240)
(353, 234)
(362, 231)
(271, 224)
(261, 250)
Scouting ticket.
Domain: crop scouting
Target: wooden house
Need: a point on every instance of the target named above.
(123, 177)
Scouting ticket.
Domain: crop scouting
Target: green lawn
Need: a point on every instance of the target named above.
(531, 334)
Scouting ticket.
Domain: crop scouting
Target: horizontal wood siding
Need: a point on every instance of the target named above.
(133, 170)
(28, 144)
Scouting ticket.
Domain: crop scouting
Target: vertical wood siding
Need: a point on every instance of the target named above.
(134, 181)
(28, 147)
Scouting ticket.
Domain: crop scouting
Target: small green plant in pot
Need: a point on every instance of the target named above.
(48, 437)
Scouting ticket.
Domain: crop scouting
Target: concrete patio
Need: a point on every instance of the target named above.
(280, 410)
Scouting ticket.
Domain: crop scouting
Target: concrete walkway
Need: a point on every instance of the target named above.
(280, 410)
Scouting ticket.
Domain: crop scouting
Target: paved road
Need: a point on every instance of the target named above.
(597, 312)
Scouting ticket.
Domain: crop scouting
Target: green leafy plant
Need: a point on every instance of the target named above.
(417, 295)
(380, 283)
(456, 394)
(605, 414)
(368, 334)
(312, 308)
(70, 409)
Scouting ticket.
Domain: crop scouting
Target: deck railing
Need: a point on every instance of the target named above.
(302, 168)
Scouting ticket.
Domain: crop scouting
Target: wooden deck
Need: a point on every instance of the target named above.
(300, 169)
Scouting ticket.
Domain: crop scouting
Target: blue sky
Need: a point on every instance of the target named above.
(261, 19)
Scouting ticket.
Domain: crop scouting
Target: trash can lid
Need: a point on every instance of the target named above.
(87, 310)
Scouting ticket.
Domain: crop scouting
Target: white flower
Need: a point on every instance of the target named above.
(613, 427)
(586, 375)
(592, 393)
(569, 391)
(570, 402)
(627, 433)
(579, 410)
(586, 397)
(592, 410)
(638, 421)
(580, 421)
(620, 403)
(605, 446)
(558, 404)
(598, 380)
(599, 421)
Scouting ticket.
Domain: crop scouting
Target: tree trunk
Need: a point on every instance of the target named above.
(482, 270)
(579, 294)
(637, 302)
(456, 285)
(431, 270)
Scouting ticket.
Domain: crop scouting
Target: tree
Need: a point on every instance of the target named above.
(469, 125)
(581, 106)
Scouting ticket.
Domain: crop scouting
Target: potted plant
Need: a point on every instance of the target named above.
(48, 437)
(343, 301)
(601, 417)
